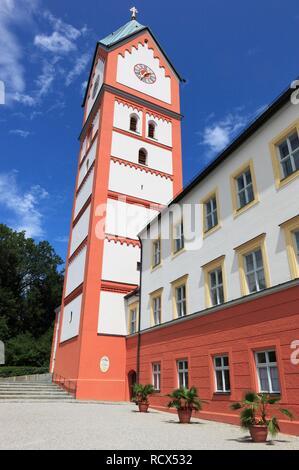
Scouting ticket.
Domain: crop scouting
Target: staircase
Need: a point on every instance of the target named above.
(32, 392)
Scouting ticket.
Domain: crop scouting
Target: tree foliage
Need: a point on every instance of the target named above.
(30, 290)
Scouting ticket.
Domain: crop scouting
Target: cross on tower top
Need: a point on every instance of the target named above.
(134, 13)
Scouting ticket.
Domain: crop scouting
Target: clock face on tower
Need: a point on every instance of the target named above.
(145, 74)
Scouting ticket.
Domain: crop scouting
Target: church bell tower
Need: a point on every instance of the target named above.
(129, 168)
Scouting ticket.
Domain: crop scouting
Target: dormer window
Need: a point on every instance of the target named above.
(151, 130)
(133, 122)
(142, 157)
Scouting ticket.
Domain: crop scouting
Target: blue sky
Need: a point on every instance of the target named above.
(236, 58)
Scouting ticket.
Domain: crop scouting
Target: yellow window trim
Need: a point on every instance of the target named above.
(132, 307)
(154, 295)
(209, 267)
(181, 281)
(214, 193)
(289, 227)
(173, 252)
(153, 267)
(236, 210)
(252, 245)
(279, 181)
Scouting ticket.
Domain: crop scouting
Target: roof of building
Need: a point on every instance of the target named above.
(253, 126)
(123, 32)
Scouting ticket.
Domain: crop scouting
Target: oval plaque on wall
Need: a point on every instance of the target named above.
(104, 364)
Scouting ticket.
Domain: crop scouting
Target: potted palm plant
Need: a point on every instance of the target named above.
(141, 394)
(255, 415)
(185, 400)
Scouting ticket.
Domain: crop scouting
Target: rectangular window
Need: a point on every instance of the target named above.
(211, 214)
(216, 287)
(291, 232)
(180, 298)
(288, 151)
(133, 321)
(157, 376)
(267, 371)
(156, 253)
(179, 240)
(245, 189)
(157, 310)
(296, 238)
(182, 368)
(222, 379)
(254, 270)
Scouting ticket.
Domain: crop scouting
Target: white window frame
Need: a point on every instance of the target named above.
(221, 369)
(157, 309)
(133, 321)
(255, 270)
(245, 189)
(179, 240)
(290, 155)
(218, 286)
(211, 210)
(268, 365)
(183, 372)
(296, 244)
(181, 304)
(156, 252)
(156, 372)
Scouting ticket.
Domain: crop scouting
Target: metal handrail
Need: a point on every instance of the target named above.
(69, 385)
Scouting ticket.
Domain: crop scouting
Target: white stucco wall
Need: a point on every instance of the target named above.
(80, 231)
(275, 206)
(112, 318)
(120, 262)
(141, 184)
(71, 321)
(75, 273)
(126, 220)
(160, 90)
(122, 114)
(84, 193)
(88, 162)
(128, 148)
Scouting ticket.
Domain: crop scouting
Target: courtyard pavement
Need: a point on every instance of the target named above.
(75, 425)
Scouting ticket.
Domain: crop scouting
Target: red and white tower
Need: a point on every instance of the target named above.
(129, 167)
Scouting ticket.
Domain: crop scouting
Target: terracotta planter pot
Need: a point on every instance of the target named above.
(143, 407)
(258, 433)
(185, 416)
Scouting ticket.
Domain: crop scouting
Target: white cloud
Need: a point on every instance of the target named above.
(24, 206)
(66, 29)
(63, 239)
(63, 38)
(217, 135)
(56, 42)
(11, 53)
(20, 133)
(78, 68)
(27, 100)
(45, 79)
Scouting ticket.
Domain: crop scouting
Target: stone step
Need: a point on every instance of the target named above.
(32, 387)
(28, 384)
(9, 398)
(32, 392)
